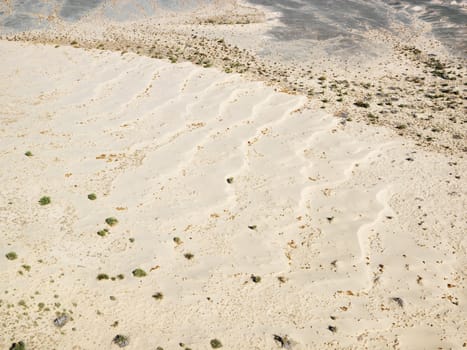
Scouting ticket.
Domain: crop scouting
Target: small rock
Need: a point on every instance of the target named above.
(399, 301)
(61, 320)
(283, 342)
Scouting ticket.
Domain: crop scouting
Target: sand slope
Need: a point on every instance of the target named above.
(348, 216)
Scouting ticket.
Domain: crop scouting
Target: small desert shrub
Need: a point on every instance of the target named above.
(158, 296)
(28, 154)
(102, 276)
(92, 196)
(121, 340)
(139, 273)
(188, 256)
(362, 104)
(45, 200)
(216, 344)
(255, 279)
(103, 232)
(230, 180)
(11, 256)
(111, 221)
(18, 346)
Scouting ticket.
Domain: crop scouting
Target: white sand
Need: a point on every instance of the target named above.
(350, 216)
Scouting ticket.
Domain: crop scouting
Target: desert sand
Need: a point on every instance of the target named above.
(159, 192)
(328, 234)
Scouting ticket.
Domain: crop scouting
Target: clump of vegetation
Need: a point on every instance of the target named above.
(103, 232)
(121, 340)
(139, 273)
(18, 346)
(26, 267)
(216, 344)
(28, 154)
(177, 240)
(333, 329)
(230, 180)
(255, 279)
(362, 104)
(92, 196)
(401, 126)
(11, 256)
(120, 276)
(111, 221)
(188, 256)
(158, 296)
(45, 200)
(252, 227)
(102, 276)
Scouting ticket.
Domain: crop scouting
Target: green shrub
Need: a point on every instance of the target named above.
(102, 276)
(45, 200)
(216, 344)
(139, 272)
(111, 221)
(11, 256)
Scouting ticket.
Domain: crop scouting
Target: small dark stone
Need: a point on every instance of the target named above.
(399, 301)
(61, 320)
(283, 342)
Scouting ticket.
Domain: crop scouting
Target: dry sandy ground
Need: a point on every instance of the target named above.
(252, 214)
(402, 78)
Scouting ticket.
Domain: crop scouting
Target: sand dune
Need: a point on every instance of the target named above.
(357, 235)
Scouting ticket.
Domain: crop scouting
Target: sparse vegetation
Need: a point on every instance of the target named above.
(11, 256)
(139, 273)
(158, 296)
(216, 344)
(188, 256)
(102, 276)
(362, 104)
(18, 346)
(230, 180)
(103, 232)
(111, 221)
(255, 279)
(92, 196)
(121, 340)
(28, 154)
(45, 200)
